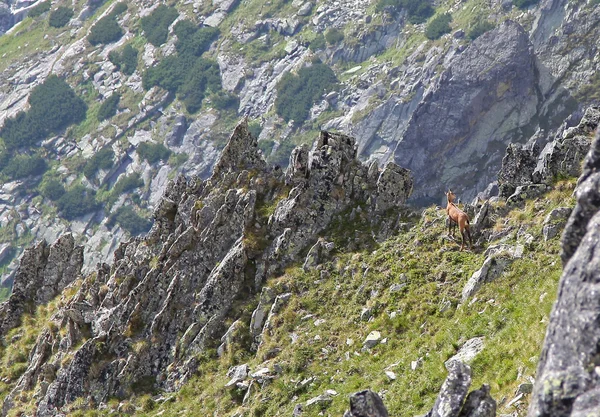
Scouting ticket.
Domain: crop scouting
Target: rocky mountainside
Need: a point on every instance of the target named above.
(237, 285)
(385, 72)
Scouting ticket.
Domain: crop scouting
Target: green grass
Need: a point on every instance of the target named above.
(18, 343)
(26, 39)
(435, 272)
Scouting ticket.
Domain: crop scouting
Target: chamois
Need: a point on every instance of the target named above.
(459, 217)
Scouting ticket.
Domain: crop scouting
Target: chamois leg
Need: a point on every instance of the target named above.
(468, 230)
(462, 242)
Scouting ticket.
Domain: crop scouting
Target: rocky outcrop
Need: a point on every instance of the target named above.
(492, 83)
(211, 242)
(525, 169)
(44, 271)
(453, 400)
(567, 382)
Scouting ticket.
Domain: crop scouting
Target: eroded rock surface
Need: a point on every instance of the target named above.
(211, 241)
(566, 382)
(44, 271)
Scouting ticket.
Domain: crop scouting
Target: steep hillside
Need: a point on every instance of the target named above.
(260, 292)
(156, 91)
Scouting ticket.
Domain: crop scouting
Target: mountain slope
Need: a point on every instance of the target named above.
(390, 78)
(152, 322)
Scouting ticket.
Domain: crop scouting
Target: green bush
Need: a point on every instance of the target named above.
(108, 108)
(156, 25)
(51, 188)
(178, 159)
(479, 29)
(255, 128)
(40, 9)
(106, 30)
(438, 26)
(193, 40)
(127, 183)
(334, 36)
(153, 152)
(119, 8)
(223, 100)
(76, 202)
(103, 159)
(187, 76)
(297, 93)
(125, 60)
(21, 166)
(129, 220)
(317, 43)
(60, 17)
(523, 4)
(418, 11)
(170, 73)
(53, 106)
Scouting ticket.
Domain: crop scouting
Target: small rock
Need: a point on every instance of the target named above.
(366, 404)
(396, 287)
(318, 322)
(525, 388)
(414, 365)
(305, 9)
(321, 399)
(468, 351)
(391, 375)
(372, 339)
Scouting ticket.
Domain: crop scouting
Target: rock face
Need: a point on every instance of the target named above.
(453, 400)
(566, 382)
(211, 242)
(492, 268)
(525, 168)
(366, 404)
(492, 83)
(45, 270)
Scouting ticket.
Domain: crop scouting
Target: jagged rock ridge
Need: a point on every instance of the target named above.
(212, 242)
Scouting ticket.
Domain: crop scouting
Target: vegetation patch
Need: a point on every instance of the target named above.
(297, 93)
(187, 74)
(40, 9)
(109, 107)
(21, 166)
(60, 16)
(77, 202)
(193, 40)
(153, 152)
(479, 28)
(125, 60)
(53, 106)
(125, 184)
(156, 25)
(334, 36)
(418, 10)
(189, 77)
(439, 25)
(107, 29)
(523, 4)
(103, 159)
(129, 220)
(51, 188)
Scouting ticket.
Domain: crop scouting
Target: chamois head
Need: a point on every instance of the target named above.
(450, 196)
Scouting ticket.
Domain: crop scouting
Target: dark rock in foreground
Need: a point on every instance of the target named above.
(567, 381)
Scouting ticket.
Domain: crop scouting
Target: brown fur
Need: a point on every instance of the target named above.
(459, 217)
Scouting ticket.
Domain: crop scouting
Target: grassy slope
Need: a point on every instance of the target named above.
(511, 313)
